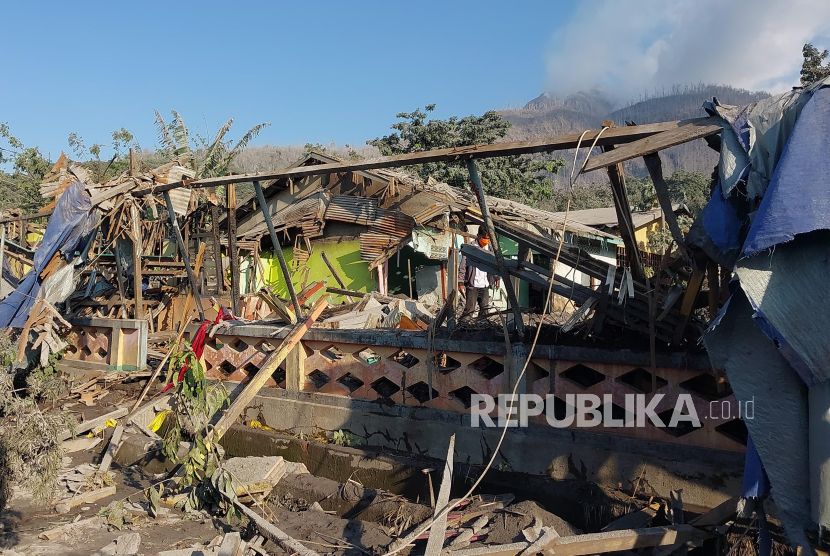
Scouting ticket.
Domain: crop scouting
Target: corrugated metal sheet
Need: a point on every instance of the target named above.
(180, 199)
(304, 213)
(372, 245)
(355, 210)
(431, 212)
(393, 223)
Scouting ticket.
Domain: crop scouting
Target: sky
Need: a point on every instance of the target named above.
(340, 71)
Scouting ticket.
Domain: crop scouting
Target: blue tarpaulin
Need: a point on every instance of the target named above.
(72, 220)
(798, 197)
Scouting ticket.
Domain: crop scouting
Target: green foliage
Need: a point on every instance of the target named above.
(344, 438)
(660, 240)
(588, 196)
(116, 515)
(514, 177)
(20, 189)
(690, 188)
(210, 157)
(30, 451)
(90, 157)
(197, 401)
(812, 69)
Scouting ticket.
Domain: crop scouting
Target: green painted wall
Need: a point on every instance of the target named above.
(343, 255)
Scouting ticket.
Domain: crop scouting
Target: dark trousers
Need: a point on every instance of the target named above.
(480, 295)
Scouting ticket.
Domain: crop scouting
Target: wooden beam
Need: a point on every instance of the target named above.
(233, 252)
(653, 144)
(655, 170)
(335, 275)
(135, 219)
(439, 525)
(478, 189)
(94, 423)
(217, 250)
(183, 251)
(274, 533)
(623, 209)
(596, 543)
(266, 370)
(692, 289)
(266, 214)
(562, 142)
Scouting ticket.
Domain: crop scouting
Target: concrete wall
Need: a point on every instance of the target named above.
(707, 477)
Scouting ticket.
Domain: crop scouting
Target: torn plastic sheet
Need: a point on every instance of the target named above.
(798, 197)
(757, 371)
(70, 224)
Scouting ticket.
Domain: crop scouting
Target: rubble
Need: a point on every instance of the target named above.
(118, 278)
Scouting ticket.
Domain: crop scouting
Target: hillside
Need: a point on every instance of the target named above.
(547, 115)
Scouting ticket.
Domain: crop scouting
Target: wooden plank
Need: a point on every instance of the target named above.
(692, 289)
(136, 232)
(94, 423)
(217, 251)
(88, 497)
(653, 144)
(596, 543)
(719, 514)
(112, 449)
(655, 170)
(279, 537)
(561, 142)
(231, 545)
(336, 275)
(183, 253)
(439, 525)
(633, 520)
(512, 300)
(266, 370)
(623, 209)
(233, 252)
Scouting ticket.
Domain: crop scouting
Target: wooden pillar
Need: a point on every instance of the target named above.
(185, 258)
(478, 189)
(233, 253)
(655, 170)
(295, 368)
(217, 251)
(712, 276)
(266, 213)
(623, 209)
(137, 281)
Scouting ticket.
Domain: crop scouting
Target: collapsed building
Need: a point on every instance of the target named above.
(331, 295)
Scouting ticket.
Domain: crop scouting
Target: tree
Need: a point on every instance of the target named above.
(690, 188)
(210, 158)
(20, 189)
(512, 177)
(90, 157)
(812, 69)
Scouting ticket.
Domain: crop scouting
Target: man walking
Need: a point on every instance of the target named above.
(477, 282)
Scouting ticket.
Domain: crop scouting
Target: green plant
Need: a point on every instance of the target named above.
(197, 401)
(30, 448)
(344, 438)
(512, 177)
(20, 189)
(812, 69)
(209, 157)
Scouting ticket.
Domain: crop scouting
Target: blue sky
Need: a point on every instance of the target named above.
(340, 71)
(320, 72)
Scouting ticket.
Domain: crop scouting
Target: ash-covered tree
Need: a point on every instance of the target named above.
(520, 178)
(90, 157)
(812, 69)
(19, 188)
(690, 188)
(210, 157)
